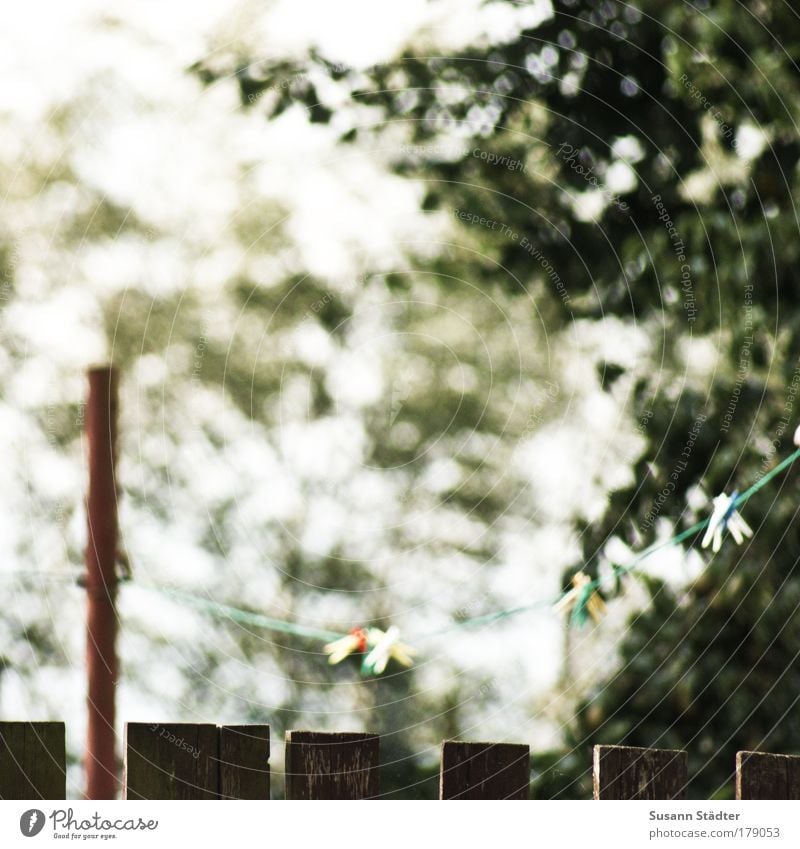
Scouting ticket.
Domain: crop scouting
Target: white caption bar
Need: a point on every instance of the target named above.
(389, 824)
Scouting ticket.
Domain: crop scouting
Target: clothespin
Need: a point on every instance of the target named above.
(354, 642)
(583, 598)
(385, 645)
(725, 516)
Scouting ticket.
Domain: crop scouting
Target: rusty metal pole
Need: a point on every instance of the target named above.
(101, 584)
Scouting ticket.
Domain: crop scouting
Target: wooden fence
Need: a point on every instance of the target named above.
(186, 761)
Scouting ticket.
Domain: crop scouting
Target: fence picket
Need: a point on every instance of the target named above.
(625, 772)
(170, 761)
(32, 760)
(484, 771)
(331, 766)
(244, 762)
(765, 776)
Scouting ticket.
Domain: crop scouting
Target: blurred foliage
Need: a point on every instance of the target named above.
(674, 92)
(642, 158)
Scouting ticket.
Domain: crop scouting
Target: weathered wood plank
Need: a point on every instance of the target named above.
(484, 771)
(171, 761)
(331, 766)
(626, 772)
(760, 775)
(32, 760)
(244, 762)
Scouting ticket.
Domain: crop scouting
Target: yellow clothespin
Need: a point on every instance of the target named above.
(354, 642)
(583, 598)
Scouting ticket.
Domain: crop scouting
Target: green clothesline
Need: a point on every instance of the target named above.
(247, 617)
(250, 618)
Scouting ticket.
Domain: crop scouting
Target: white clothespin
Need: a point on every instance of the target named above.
(385, 646)
(725, 515)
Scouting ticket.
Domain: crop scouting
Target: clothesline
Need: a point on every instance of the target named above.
(378, 647)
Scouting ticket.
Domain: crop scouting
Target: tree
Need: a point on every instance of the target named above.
(629, 168)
